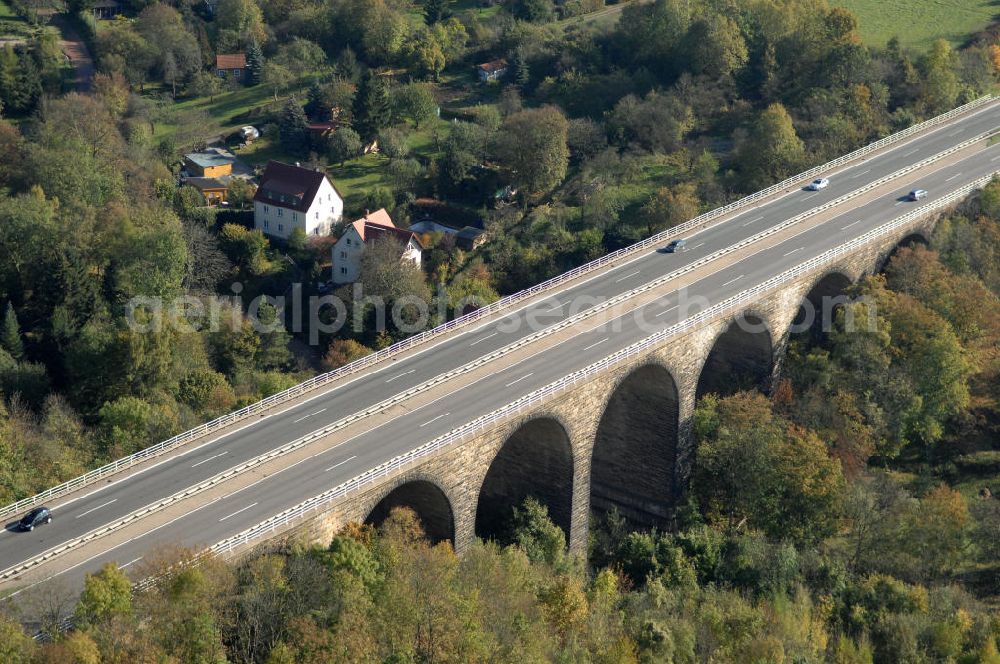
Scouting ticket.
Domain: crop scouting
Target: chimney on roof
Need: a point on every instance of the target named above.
(367, 211)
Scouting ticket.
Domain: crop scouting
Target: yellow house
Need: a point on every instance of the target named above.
(210, 163)
(215, 190)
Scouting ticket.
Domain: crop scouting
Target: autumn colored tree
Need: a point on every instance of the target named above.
(772, 150)
(754, 468)
(105, 595)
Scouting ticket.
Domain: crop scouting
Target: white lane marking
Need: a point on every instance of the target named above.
(130, 562)
(337, 465)
(596, 344)
(238, 511)
(554, 308)
(405, 373)
(434, 420)
(794, 250)
(753, 221)
(309, 415)
(995, 158)
(667, 311)
(733, 281)
(912, 152)
(519, 379)
(484, 339)
(806, 198)
(897, 203)
(697, 245)
(955, 133)
(953, 177)
(631, 274)
(844, 228)
(210, 458)
(97, 508)
(861, 173)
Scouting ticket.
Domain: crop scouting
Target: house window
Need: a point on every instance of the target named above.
(265, 224)
(281, 212)
(236, 73)
(317, 214)
(348, 241)
(222, 73)
(343, 254)
(343, 270)
(295, 216)
(316, 231)
(281, 227)
(265, 209)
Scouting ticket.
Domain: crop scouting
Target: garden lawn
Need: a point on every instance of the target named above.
(224, 110)
(917, 23)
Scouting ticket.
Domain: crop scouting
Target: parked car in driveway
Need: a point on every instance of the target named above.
(918, 194)
(819, 183)
(35, 517)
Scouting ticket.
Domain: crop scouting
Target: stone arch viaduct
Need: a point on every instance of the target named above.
(622, 440)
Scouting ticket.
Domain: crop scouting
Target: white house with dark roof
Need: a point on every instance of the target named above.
(290, 197)
(350, 247)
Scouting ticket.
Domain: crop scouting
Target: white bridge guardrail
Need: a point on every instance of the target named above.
(490, 309)
(734, 304)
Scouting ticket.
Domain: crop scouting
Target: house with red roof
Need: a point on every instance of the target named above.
(347, 252)
(230, 65)
(491, 71)
(290, 197)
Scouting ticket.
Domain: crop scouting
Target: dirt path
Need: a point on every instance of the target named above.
(74, 48)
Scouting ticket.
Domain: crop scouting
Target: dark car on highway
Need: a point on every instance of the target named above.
(675, 246)
(35, 517)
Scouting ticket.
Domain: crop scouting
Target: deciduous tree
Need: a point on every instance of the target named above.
(532, 146)
(344, 144)
(772, 149)
(105, 595)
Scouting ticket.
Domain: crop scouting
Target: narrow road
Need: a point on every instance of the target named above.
(74, 48)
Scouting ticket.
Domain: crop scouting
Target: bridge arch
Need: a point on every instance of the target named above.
(634, 453)
(427, 500)
(537, 461)
(826, 294)
(742, 358)
(916, 236)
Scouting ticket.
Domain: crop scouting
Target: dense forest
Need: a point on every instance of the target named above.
(854, 533)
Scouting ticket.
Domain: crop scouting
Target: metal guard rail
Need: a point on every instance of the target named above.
(495, 307)
(732, 305)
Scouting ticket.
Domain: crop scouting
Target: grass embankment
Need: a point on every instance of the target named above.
(917, 23)
(225, 112)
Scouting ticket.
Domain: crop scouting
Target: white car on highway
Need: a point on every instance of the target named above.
(819, 183)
